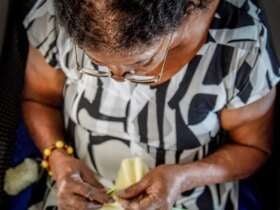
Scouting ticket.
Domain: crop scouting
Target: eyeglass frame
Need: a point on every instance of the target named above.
(96, 73)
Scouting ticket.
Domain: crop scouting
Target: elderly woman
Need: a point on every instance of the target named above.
(156, 79)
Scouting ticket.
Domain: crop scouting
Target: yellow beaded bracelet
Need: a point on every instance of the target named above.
(49, 150)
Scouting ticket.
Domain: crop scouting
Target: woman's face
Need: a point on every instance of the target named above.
(140, 61)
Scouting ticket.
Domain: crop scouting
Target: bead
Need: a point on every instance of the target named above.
(47, 152)
(45, 164)
(70, 150)
(59, 144)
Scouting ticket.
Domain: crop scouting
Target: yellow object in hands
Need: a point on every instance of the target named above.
(131, 171)
(112, 206)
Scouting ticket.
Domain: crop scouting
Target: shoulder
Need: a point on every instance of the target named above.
(45, 34)
(241, 54)
(238, 23)
(42, 10)
(41, 27)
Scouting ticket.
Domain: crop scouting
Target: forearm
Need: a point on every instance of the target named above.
(231, 162)
(44, 123)
(251, 130)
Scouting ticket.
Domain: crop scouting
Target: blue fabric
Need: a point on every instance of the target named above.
(24, 148)
(248, 199)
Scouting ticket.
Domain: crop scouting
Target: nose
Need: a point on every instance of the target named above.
(119, 71)
(118, 78)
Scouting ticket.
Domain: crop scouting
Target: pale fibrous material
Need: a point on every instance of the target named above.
(131, 171)
(112, 206)
(20, 177)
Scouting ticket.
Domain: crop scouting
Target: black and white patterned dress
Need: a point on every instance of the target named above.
(176, 122)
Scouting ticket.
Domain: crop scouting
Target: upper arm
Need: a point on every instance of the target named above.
(251, 125)
(43, 83)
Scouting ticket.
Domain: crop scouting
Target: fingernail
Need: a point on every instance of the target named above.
(121, 193)
(94, 206)
(108, 200)
(111, 200)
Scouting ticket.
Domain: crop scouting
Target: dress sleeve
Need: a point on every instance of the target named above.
(257, 74)
(42, 31)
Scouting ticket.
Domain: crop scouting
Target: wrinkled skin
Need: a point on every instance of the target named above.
(77, 187)
(159, 189)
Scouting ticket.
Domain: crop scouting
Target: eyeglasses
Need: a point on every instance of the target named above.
(130, 76)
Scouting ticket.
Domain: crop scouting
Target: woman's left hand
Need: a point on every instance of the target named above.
(159, 189)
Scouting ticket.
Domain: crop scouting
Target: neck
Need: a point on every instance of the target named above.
(188, 39)
(198, 22)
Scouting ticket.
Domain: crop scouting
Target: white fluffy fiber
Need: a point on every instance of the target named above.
(20, 177)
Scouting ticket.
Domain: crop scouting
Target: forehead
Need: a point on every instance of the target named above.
(126, 56)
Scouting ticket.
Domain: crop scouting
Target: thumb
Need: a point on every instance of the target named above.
(134, 190)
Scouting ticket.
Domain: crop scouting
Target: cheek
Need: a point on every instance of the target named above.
(155, 65)
(147, 70)
(152, 68)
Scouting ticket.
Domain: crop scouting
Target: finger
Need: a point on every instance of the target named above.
(76, 202)
(77, 177)
(89, 177)
(92, 193)
(134, 190)
(75, 186)
(149, 202)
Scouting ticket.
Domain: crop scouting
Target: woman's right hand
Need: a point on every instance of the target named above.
(77, 187)
(42, 99)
